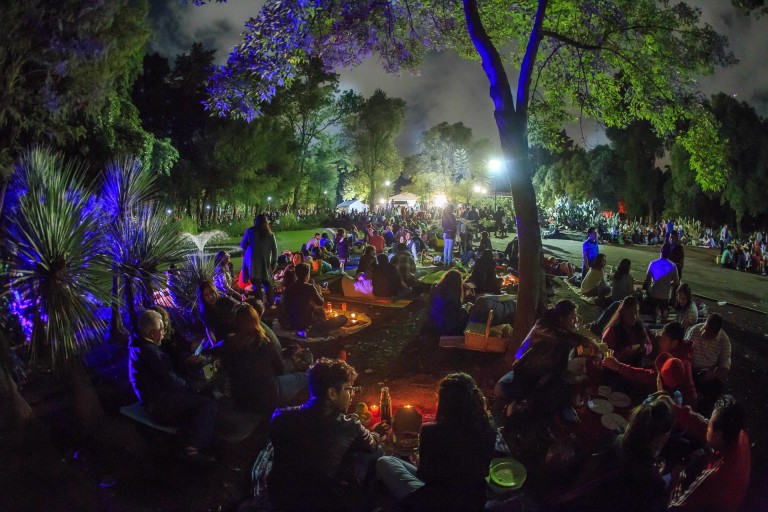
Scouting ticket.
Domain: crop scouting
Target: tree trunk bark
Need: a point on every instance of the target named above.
(512, 123)
(117, 334)
(130, 300)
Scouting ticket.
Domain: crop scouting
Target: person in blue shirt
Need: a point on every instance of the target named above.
(590, 249)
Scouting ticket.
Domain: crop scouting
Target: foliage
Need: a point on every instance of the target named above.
(58, 265)
(372, 133)
(61, 66)
(184, 282)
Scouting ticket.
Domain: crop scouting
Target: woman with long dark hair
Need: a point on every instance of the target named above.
(686, 311)
(622, 283)
(455, 452)
(626, 333)
(255, 365)
(260, 258)
(483, 274)
(217, 312)
(447, 315)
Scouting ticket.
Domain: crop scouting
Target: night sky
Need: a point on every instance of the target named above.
(451, 89)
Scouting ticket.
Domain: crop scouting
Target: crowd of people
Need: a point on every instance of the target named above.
(323, 458)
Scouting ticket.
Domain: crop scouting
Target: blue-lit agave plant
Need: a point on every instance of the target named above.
(138, 239)
(59, 272)
(185, 280)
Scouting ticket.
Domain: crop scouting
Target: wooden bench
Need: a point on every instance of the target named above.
(231, 426)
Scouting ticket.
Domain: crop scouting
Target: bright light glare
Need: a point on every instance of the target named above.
(494, 165)
(382, 200)
(207, 207)
(168, 211)
(440, 200)
(478, 188)
(387, 183)
(269, 198)
(483, 190)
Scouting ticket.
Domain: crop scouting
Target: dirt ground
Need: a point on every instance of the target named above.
(118, 465)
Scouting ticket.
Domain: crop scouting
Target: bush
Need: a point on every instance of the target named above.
(187, 224)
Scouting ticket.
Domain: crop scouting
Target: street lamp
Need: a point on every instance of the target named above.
(386, 190)
(494, 166)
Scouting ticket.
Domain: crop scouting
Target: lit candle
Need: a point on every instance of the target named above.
(375, 412)
(353, 315)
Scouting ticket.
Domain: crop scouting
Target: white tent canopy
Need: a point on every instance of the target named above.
(351, 206)
(404, 199)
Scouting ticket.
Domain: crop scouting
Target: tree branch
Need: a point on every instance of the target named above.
(529, 60)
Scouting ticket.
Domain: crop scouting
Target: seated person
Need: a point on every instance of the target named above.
(216, 312)
(622, 283)
(403, 260)
(389, 236)
(387, 281)
(686, 311)
(303, 306)
(512, 254)
(223, 277)
(367, 260)
(722, 483)
(167, 397)
(726, 259)
(377, 241)
(637, 485)
(255, 366)
(710, 359)
(446, 313)
(673, 343)
(626, 334)
(660, 280)
(454, 453)
(538, 376)
(485, 243)
(555, 267)
(176, 346)
(326, 243)
(314, 241)
(317, 444)
(593, 284)
(319, 265)
(414, 245)
(483, 274)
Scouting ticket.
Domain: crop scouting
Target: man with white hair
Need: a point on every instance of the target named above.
(166, 396)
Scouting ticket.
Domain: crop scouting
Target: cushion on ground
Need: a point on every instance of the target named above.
(370, 300)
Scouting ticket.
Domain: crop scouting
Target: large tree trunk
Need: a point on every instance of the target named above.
(512, 123)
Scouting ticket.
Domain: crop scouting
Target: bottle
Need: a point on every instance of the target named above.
(386, 406)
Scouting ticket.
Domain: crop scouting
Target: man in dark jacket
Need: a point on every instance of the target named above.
(319, 448)
(302, 306)
(167, 397)
(449, 233)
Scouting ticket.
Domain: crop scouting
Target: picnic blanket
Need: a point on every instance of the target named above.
(577, 291)
(361, 322)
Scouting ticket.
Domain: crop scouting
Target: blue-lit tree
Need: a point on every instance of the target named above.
(612, 60)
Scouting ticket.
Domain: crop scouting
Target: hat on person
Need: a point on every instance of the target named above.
(671, 370)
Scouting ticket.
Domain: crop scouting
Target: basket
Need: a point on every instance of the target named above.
(476, 338)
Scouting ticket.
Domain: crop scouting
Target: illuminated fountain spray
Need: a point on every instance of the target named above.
(201, 239)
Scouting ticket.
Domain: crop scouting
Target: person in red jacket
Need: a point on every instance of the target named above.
(672, 370)
(722, 485)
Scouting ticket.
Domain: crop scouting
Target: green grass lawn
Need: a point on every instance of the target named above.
(286, 240)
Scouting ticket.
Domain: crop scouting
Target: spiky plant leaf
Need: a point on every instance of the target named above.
(58, 267)
(139, 244)
(127, 185)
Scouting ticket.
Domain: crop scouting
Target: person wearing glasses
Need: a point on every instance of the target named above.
(322, 454)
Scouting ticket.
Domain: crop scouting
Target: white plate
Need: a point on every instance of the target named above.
(600, 406)
(613, 421)
(604, 390)
(619, 399)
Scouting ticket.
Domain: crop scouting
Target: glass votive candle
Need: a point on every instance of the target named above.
(343, 306)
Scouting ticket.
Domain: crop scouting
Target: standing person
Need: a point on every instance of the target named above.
(676, 253)
(589, 251)
(343, 248)
(449, 233)
(498, 218)
(260, 258)
(660, 280)
(454, 452)
(669, 229)
(319, 449)
(167, 397)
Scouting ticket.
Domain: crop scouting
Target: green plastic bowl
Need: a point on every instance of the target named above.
(507, 473)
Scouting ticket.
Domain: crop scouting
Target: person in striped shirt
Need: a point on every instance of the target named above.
(710, 360)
